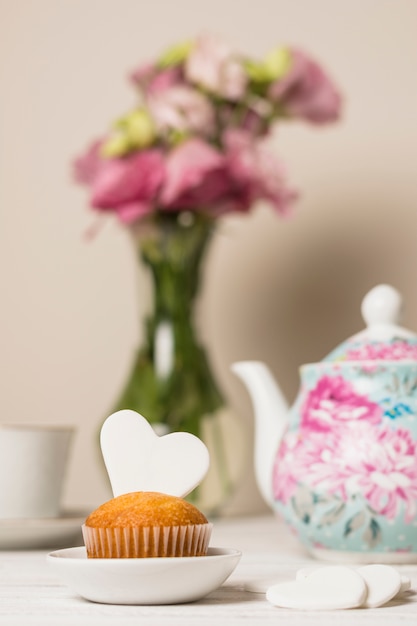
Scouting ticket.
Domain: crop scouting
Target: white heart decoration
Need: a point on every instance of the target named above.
(138, 460)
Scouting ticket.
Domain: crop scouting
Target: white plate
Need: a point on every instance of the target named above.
(144, 581)
(29, 534)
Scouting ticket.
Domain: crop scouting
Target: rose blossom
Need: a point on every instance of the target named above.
(306, 91)
(198, 175)
(129, 185)
(195, 176)
(256, 173)
(154, 80)
(212, 65)
(87, 166)
(183, 109)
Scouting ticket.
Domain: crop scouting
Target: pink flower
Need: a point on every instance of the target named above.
(254, 123)
(255, 173)
(212, 65)
(195, 176)
(129, 186)
(376, 462)
(307, 92)
(249, 120)
(142, 74)
(198, 175)
(87, 166)
(312, 461)
(387, 472)
(231, 180)
(183, 109)
(334, 402)
(286, 474)
(153, 80)
(395, 351)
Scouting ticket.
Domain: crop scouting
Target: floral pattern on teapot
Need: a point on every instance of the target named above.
(395, 349)
(347, 466)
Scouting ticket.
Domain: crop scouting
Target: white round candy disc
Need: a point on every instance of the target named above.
(327, 588)
(383, 582)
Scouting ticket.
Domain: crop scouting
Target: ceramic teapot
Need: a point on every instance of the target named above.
(341, 465)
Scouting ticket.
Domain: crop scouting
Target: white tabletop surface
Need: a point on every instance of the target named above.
(31, 593)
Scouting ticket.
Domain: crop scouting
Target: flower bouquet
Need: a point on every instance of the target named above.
(197, 140)
(195, 149)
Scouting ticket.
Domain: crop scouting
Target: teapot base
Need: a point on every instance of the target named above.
(341, 556)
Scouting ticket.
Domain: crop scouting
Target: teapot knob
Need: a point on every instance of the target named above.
(382, 305)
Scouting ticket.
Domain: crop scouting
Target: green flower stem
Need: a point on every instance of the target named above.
(173, 251)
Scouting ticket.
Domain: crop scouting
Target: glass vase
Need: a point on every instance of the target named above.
(171, 382)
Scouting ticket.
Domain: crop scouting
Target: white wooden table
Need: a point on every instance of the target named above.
(30, 592)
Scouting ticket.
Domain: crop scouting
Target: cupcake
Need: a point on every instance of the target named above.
(146, 524)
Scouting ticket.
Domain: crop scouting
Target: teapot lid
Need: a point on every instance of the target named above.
(383, 339)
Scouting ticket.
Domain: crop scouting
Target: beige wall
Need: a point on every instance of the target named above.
(280, 291)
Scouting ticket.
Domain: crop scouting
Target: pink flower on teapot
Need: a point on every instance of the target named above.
(334, 402)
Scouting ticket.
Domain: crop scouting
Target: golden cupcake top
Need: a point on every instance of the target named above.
(145, 509)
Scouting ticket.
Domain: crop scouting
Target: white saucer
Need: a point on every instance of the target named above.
(144, 581)
(48, 532)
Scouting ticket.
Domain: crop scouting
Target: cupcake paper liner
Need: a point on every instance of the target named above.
(156, 541)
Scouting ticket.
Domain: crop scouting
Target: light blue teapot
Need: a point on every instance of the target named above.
(340, 466)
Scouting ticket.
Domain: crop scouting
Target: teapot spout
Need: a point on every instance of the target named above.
(270, 408)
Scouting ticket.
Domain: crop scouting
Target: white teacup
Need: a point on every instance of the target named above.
(33, 461)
